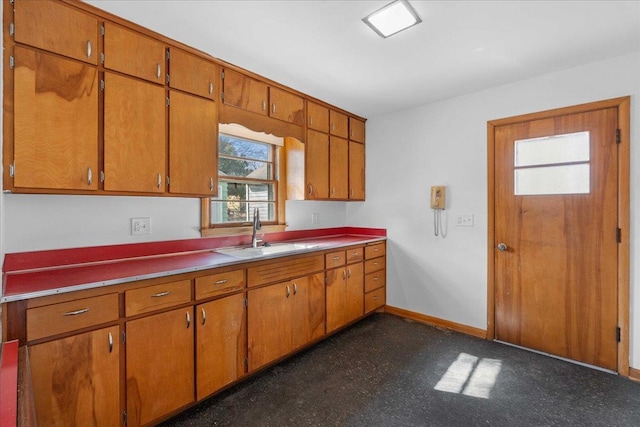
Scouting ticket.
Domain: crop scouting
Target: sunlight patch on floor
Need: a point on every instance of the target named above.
(470, 376)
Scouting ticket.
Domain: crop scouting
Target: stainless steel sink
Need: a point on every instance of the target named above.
(276, 248)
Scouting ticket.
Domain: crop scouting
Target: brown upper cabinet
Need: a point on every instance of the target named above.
(317, 117)
(131, 53)
(338, 168)
(286, 106)
(192, 74)
(245, 92)
(356, 130)
(57, 28)
(338, 124)
(356, 171)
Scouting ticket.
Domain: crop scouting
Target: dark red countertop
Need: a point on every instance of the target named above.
(34, 274)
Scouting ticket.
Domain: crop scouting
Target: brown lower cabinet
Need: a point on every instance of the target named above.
(345, 295)
(76, 380)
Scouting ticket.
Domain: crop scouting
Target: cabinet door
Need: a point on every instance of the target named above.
(134, 135)
(269, 324)
(356, 171)
(52, 26)
(193, 145)
(355, 292)
(307, 314)
(317, 117)
(160, 365)
(345, 295)
(221, 343)
(338, 168)
(317, 165)
(244, 92)
(286, 106)
(356, 130)
(76, 379)
(339, 124)
(55, 122)
(134, 54)
(193, 74)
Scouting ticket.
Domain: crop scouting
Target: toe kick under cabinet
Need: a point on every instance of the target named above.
(140, 352)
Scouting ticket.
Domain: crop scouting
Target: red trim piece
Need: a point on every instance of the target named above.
(22, 261)
(9, 384)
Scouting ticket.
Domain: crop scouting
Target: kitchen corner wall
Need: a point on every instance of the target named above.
(445, 143)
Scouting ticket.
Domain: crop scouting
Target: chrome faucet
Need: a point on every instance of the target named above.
(256, 226)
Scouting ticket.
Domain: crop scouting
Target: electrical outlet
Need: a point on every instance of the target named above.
(140, 226)
(465, 220)
(315, 218)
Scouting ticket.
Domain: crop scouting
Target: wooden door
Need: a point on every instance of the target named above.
(76, 379)
(244, 92)
(356, 130)
(132, 53)
(221, 343)
(338, 168)
(134, 135)
(269, 324)
(556, 245)
(307, 314)
(338, 124)
(286, 106)
(317, 117)
(55, 122)
(160, 365)
(317, 165)
(193, 74)
(52, 26)
(356, 171)
(193, 145)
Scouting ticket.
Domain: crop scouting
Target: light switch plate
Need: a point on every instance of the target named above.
(464, 220)
(140, 226)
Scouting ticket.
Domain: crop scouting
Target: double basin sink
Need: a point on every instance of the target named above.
(264, 251)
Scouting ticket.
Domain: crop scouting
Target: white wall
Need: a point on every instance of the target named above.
(445, 143)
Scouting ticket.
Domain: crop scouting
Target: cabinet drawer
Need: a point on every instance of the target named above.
(335, 259)
(375, 251)
(150, 298)
(68, 316)
(355, 255)
(375, 299)
(218, 284)
(284, 269)
(375, 280)
(374, 265)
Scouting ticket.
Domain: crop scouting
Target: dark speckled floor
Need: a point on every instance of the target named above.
(386, 371)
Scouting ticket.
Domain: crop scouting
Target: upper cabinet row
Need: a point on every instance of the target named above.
(101, 108)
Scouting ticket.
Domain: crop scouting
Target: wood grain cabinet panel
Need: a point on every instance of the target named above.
(356, 130)
(317, 117)
(374, 264)
(131, 53)
(219, 283)
(317, 165)
(335, 259)
(338, 168)
(193, 74)
(356, 171)
(244, 92)
(193, 145)
(156, 297)
(286, 106)
(160, 368)
(374, 251)
(308, 310)
(134, 135)
(344, 295)
(52, 26)
(55, 122)
(221, 343)
(375, 299)
(338, 124)
(76, 380)
(354, 255)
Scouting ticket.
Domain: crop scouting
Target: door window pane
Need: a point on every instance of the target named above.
(567, 148)
(565, 179)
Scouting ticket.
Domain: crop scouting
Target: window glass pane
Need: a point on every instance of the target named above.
(244, 168)
(230, 211)
(245, 191)
(238, 147)
(567, 148)
(566, 179)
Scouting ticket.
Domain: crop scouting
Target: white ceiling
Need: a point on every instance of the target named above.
(322, 47)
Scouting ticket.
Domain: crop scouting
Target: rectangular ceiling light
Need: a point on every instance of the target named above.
(393, 18)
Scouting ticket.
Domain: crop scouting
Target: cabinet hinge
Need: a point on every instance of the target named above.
(168, 102)
(101, 176)
(618, 333)
(168, 181)
(246, 363)
(102, 85)
(12, 170)
(124, 418)
(168, 79)
(618, 235)
(168, 55)
(11, 1)
(222, 95)
(102, 30)
(12, 29)
(246, 302)
(12, 62)
(222, 74)
(618, 137)
(102, 57)
(124, 337)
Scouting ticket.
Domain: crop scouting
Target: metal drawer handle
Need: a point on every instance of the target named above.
(89, 176)
(210, 88)
(110, 343)
(76, 312)
(375, 297)
(160, 294)
(273, 107)
(211, 184)
(348, 272)
(288, 291)
(158, 70)
(89, 49)
(344, 274)
(375, 278)
(188, 320)
(352, 192)
(355, 254)
(264, 105)
(310, 189)
(336, 258)
(204, 317)
(295, 288)
(159, 180)
(310, 120)
(375, 263)
(221, 282)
